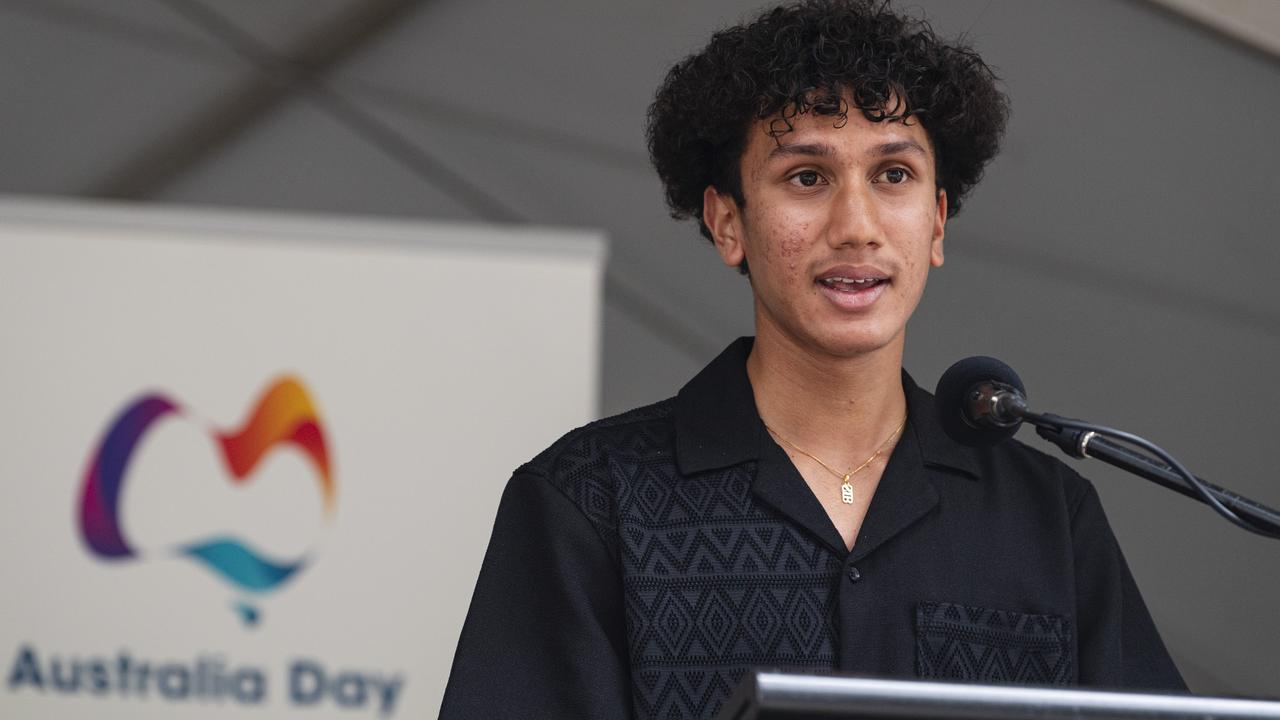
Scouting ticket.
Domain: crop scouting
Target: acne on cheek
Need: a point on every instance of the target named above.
(793, 242)
(794, 245)
(791, 248)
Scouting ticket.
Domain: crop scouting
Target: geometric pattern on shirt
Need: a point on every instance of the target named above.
(714, 583)
(963, 642)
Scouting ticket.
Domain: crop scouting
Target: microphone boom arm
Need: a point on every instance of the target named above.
(1084, 440)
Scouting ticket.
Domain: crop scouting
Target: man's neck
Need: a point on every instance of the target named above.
(838, 408)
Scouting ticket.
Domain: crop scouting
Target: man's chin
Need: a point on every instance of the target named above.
(860, 344)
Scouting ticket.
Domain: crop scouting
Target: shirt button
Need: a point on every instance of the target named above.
(854, 574)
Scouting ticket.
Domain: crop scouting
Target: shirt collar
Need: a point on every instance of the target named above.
(717, 424)
(715, 417)
(936, 447)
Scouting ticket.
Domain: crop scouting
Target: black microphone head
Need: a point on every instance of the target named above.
(951, 399)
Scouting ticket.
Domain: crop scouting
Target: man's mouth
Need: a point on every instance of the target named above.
(851, 284)
(853, 288)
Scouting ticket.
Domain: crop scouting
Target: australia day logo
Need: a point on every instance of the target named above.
(284, 415)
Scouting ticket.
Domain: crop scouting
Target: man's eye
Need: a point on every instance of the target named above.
(807, 178)
(895, 175)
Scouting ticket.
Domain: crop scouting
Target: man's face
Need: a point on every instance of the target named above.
(840, 228)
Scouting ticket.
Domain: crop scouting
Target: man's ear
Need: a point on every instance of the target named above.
(722, 217)
(939, 230)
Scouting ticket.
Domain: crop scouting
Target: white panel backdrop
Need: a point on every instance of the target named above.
(438, 358)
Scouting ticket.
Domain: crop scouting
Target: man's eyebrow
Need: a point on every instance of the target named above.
(824, 150)
(810, 149)
(900, 146)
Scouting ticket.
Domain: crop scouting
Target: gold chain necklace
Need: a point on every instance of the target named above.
(846, 487)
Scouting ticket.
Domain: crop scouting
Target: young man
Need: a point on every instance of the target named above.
(796, 505)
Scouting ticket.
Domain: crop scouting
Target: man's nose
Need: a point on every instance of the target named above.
(854, 219)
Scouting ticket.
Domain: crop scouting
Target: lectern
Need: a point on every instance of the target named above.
(789, 696)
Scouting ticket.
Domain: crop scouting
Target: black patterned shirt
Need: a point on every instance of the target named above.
(643, 562)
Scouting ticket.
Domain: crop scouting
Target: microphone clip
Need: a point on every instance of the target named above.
(1072, 441)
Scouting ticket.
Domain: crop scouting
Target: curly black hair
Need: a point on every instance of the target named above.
(803, 58)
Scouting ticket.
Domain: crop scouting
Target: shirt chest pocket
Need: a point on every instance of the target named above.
(964, 642)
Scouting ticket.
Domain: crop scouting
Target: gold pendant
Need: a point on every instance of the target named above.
(846, 492)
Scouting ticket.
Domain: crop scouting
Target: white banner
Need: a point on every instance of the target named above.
(251, 462)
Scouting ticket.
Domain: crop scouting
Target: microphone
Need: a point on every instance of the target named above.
(981, 401)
